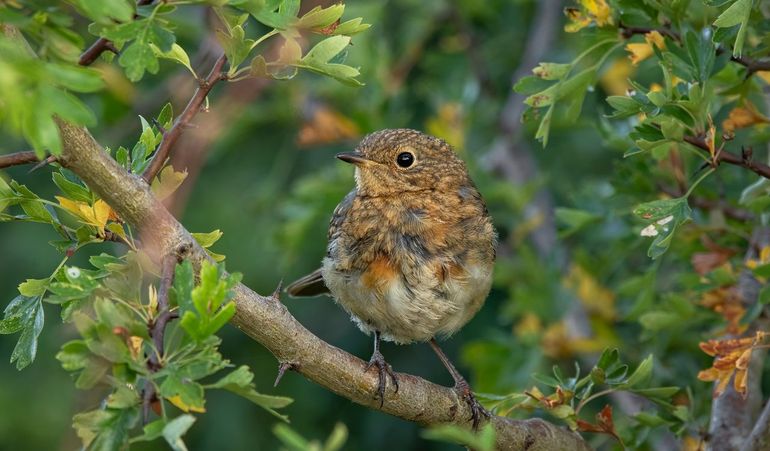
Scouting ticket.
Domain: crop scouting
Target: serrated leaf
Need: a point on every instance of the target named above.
(175, 429)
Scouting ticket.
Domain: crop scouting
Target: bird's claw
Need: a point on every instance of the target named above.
(477, 410)
(383, 371)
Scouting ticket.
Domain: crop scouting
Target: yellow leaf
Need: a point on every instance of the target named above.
(448, 124)
(177, 401)
(528, 325)
(615, 79)
(95, 215)
(135, 345)
(743, 117)
(101, 213)
(640, 51)
(597, 11)
(596, 298)
(764, 75)
(167, 182)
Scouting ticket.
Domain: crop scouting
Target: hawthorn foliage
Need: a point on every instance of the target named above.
(676, 90)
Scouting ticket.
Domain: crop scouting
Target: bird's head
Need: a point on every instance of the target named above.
(390, 162)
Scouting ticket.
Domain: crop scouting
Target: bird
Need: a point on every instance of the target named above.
(411, 249)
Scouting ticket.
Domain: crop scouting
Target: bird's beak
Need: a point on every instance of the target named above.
(353, 157)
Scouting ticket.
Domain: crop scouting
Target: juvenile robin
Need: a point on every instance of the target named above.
(411, 248)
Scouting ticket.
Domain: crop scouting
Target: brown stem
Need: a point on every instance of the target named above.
(193, 106)
(628, 31)
(18, 158)
(101, 45)
(725, 156)
(711, 204)
(752, 65)
(157, 330)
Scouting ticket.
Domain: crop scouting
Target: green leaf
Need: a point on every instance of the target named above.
(240, 382)
(105, 429)
(574, 219)
(484, 440)
(337, 438)
(317, 60)
(551, 71)
(208, 239)
(72, 190)
(137, 58)
(664, 217)
(351, 27)
(737, 14)
(33, 287)
(321, 17)
(175, 53)
(175, 429)
(80, 79)
(183, 393)
(105, 11)
(662, 393)
(641, 374)
(23, 314)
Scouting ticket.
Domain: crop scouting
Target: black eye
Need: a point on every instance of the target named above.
(405, 159)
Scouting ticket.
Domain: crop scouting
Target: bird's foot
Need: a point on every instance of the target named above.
(477, 410)
(383, 371)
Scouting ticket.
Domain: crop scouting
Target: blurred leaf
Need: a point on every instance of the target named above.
(23, 314)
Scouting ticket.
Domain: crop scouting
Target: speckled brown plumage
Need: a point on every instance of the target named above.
(411, 249)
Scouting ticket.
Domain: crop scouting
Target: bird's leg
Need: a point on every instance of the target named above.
(383, 369)
(462, 386)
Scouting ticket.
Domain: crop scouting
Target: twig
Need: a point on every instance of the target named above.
(709, 204)
(725, 156)
(157, 329)
(193, 106)
(628, 31)
(752, 65)
(18, 158)
(101, 45)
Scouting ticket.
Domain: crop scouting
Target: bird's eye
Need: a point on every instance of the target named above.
(405, 159)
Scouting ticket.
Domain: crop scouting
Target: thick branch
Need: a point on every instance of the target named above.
(270, 323)
(725, 156)
(193, 106)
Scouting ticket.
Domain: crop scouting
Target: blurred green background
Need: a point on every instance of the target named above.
(263, 172)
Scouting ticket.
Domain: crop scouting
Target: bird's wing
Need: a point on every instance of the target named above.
(313, 283)
(310, 285)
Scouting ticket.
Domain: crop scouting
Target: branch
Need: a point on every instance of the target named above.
(733, 416)
(711, 204)
(269, 322)
(18, 158)
(157, 330)
(101, 45)
(193, 106)
(725, 156)
(752, 66)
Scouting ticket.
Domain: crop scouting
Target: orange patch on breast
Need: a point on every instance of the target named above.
(379, 274)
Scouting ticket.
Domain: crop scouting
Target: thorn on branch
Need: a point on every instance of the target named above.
(276, 296)
(282, 370)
